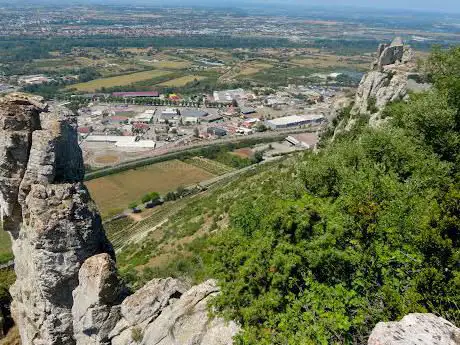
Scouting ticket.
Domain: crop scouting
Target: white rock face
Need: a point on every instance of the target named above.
(54, 224)
(165, 313)
(416, 329)
(388, 79)
(67, 290)
(96, 308)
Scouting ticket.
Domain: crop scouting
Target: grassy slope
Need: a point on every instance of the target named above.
(5, 247)
(170, 242)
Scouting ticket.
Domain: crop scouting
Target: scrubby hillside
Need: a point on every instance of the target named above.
(318, 248)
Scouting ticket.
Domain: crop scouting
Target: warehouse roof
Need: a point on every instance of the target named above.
(110, 138)
(294, 119)
(193, 113)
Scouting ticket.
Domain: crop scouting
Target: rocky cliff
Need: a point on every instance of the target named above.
(54, 225)
(67, 290)
(387, 80)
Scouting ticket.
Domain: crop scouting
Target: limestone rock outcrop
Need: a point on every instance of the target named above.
(96, 308)
(387, 80)
(416, 329)
(166, 312)
(48, 211)
(67, 290)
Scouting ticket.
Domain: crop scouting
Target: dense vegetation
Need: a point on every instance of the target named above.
(367, 230)
(319, 248)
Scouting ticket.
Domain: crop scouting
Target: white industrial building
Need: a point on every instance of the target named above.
(190, 119)
(146, 117)
(169, 113)
(122, 141)
(295, 121)
(141, 144)
(228, 95)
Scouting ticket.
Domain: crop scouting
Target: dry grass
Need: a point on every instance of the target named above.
(244, 153)
(117, 191)
(107, 159)
(254, 68)
(332, 61)
(172, 64)
(182, 81)
(12, 338)
(121, 80)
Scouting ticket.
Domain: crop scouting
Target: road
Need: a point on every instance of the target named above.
(173, 149)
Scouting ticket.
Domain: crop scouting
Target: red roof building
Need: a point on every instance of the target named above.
(85, 130)
(140, 125)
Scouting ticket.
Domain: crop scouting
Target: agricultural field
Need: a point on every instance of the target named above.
(121, 80)
(181, 81)
(172, 64)
(210, 166)
(67, 64)
(253, 68)
(116, 191)
(333, 61)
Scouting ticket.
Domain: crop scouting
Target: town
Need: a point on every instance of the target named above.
(113, 132)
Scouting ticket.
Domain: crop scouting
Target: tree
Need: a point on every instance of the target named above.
(133, 205)
(170, 196)
(146, 198)
(153, 196)
(260, 127)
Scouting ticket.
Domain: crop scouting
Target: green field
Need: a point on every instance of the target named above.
(121, 80)
(172, 64)
(181, 81)
(116, 191)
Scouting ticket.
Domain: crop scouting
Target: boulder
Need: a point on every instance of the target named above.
(416, 329)
(97, 298)
(164, 312)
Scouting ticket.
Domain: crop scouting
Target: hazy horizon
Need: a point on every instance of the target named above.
(444, 6)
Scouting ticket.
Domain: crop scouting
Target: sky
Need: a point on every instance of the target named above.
(440, 5)
(419, 5)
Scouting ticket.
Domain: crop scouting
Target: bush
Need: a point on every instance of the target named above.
(136, 334)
